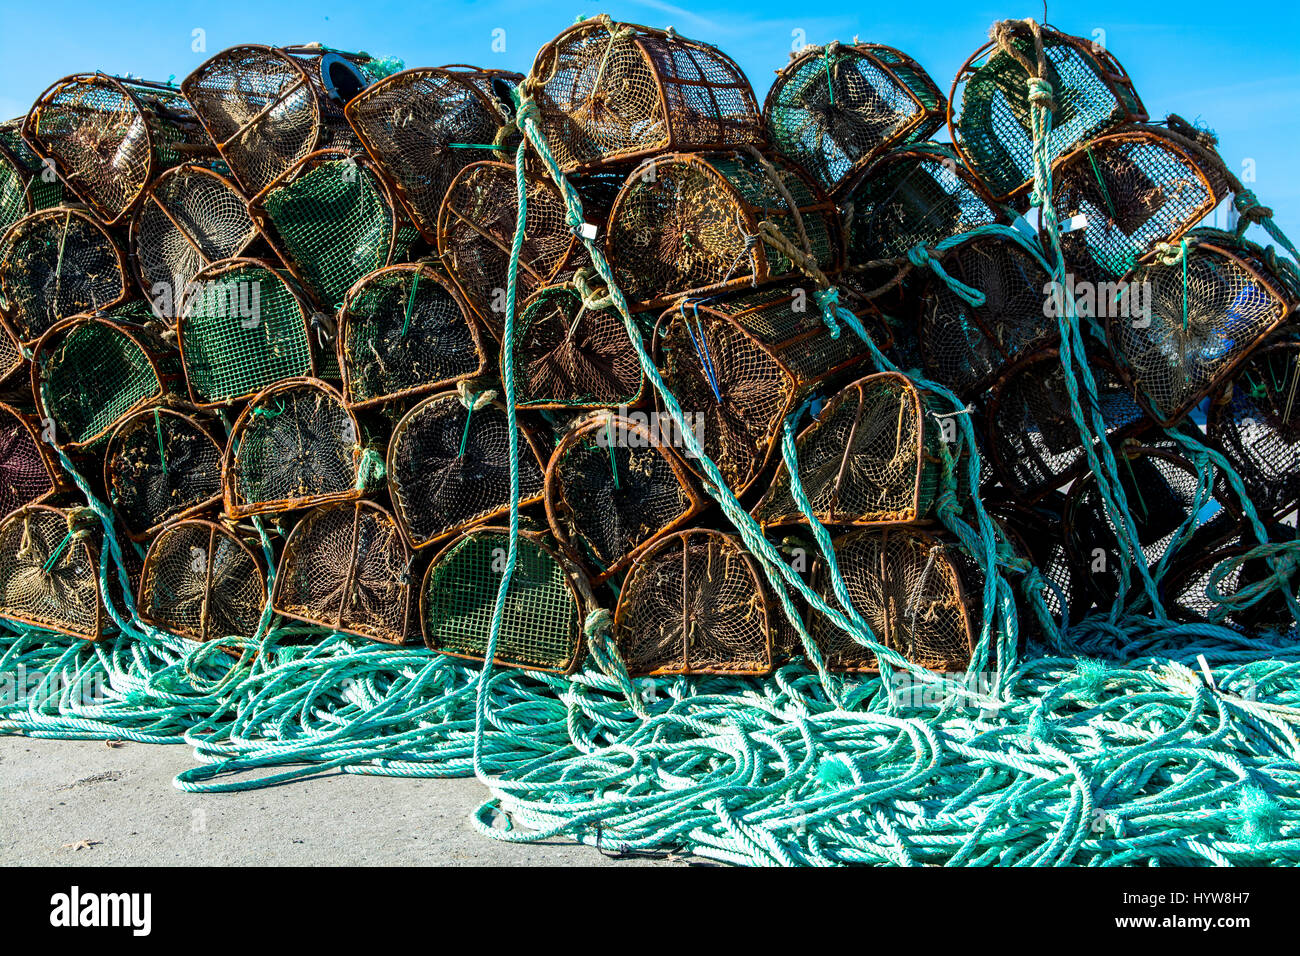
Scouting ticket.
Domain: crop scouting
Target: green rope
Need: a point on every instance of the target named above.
(410, 302)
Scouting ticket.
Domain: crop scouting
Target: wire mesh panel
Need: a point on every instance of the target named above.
(610, 93)
(1202, 315)
(242, 327)
(109, 137)
(612, 487)
(346, 567)
(541, 620)
(268, 107)
(27, 182)
(965, 346)
(49, 570)
(570, 356)
(695, 604)
(161, 464)
(989, 110)
(688, 223)
(28, 473)
(55, 264)
(834, 109)
(202, 582)
(423, 126)
(918, 593)
(190, 218)
(403, 331)
(872, 456)
(295, 445)
(449, 466)
(738, 366)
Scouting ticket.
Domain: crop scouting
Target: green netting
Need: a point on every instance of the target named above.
(13, 193)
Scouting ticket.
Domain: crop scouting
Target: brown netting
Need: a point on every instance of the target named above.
(610, 93)
(295, 445)
(49, 570)
(449, 467)
(918, 593)
(28, 472)
(1186, 588)
(694, 604)
(161, 464)
(55, 264)
(423, 126)
(688, 223)
(346, 567)
(613, 486)
(109, 137)
(11, 358)
(190, 218)
(834, 109)
(202, 582)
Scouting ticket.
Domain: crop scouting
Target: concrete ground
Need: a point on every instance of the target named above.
(83, 803)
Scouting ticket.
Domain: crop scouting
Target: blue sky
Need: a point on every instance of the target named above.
(1234, 68)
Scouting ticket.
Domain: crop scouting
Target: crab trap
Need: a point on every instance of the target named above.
(49, 570)
(29, 474)
(27, 182)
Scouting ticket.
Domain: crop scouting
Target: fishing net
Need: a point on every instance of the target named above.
(1195, 589)
(449, 466)
(190, 218)
(569, 355)
(242, 328)
(872, 456)
(989, 108)
(202, 582)
(423, 126)
(28, 473)
(55, 264)
(541, 619)
(834, 109)
(1205, 308)
(161, 464)
(11, 358)
(1037, 533)
(919, 593)
(611, 93)
(612, 487)
(266, 108)
(295, 445)
(740, 365)
(346, 567)
(688, 223)
(694, 604)
(26, 183)
(965, 346)
(49, 570)
(110, 137)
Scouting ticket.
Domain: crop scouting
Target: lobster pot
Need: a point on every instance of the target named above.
(110, 137)
(160, 465)
(346, 567)
(423, 126)
(919, 593)
(1192, 589)
(688, 224)
(834, 109)
(55, 264)
(611, 93)
(295, 445)
(202, 582)
(1032, 441)
(332, 220)
(1254, 420)
(11, 359)
(268, 107)
(965, 346)
(917, 195)
(449, 466)
(403, 331)
(242, 328)
(542, 616)
(740, 365)
(612, 487)
(1036, 532)
(92, 371)
(872, 456)
(28, 473)
(476, 228)
(23, 188)
(49, 571)
(1198, 320)
(190, 218)
(569, 356)
(695, 604)
(989, 115)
